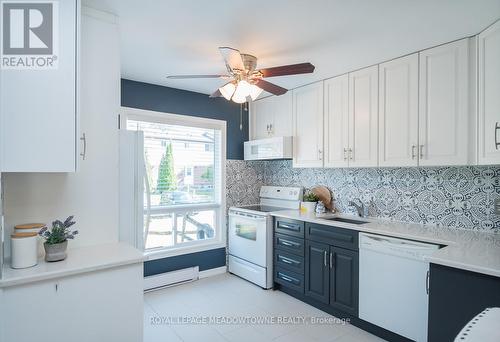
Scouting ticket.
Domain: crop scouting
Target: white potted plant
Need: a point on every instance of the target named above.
(308, 204)
(56, 239)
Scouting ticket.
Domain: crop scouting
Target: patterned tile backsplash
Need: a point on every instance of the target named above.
(461, 197)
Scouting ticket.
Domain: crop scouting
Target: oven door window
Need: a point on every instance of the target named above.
(246, 231)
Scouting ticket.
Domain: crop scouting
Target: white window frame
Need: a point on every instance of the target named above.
(219, 241)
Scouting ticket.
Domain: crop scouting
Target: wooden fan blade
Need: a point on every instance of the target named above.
(180, 77)
(270, 87)
(232, 57)
(292, 69)
(216, 94)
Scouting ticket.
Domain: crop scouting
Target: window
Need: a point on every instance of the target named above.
(184, 192)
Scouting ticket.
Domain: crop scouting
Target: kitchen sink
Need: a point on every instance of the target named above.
(345, 220)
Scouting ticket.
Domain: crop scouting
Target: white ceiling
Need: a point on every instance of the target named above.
(160, 38)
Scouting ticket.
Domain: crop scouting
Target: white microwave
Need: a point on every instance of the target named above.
(271, 148)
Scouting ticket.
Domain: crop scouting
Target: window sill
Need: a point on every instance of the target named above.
(170, 252)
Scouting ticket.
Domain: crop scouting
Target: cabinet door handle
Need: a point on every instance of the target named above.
(345, 154)
(320, 154)
(351, 154)
(83, 154)
(271, 128)
(324, 258)
(427, 282)
(497, 127)
(331, 259)
(413, 151)
(421, 151)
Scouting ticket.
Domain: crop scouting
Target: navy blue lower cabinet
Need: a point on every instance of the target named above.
(344, 277)
(317, 271)
(455, 297)
(328, 279)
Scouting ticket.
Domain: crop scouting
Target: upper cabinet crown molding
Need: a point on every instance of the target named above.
(489, 95)
(398, 112)
(308, 126)
(444, 105)
(363, 117)
(39, 108)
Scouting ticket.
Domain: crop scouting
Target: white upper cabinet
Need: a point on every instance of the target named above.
(271, 117)
(39, 109)
(336, 125)
(308, 126)
(261, 116)
(489, 95)
(444, 105)
(282, 120)
(363, 117)
(398, 112)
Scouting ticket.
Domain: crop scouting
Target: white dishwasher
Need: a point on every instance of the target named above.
(393, 284)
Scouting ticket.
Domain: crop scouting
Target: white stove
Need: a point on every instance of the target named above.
(251, 234)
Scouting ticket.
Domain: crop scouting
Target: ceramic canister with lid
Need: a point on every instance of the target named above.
(24, 249)
(32, 228)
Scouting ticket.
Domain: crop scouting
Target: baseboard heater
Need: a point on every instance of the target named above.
(160, 281)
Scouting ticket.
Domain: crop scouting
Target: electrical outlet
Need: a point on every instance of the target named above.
(497, 206)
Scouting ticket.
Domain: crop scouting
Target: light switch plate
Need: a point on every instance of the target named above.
(497, 206)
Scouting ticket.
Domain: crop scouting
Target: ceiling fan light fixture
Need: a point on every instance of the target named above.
(255, 91)
(239, 99)
(227, 90)
(242, 90)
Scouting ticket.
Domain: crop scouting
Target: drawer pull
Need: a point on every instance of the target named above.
(289, 243)
(289, 226)
(287, 260)
(287, 278)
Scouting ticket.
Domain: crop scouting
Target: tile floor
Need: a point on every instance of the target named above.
(227, 297)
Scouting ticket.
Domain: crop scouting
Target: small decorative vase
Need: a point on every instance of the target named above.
(308, 207)
(55, 252)
(320, 208)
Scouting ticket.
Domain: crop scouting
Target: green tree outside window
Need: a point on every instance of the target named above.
(167, 180)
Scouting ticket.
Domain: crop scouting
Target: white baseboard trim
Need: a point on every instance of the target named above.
(212, 272)
(163, 280)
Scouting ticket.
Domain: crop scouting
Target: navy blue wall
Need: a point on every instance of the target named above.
(170, 100)
(205, 260)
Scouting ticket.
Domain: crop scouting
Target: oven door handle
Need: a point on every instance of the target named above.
(247, 215)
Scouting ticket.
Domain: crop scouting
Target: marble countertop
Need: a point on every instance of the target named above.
(79, 260)
(464, 249)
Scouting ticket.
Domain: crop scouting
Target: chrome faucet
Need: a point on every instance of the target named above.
(360, 208)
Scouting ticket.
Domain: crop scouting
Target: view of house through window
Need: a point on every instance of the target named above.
(182, 189)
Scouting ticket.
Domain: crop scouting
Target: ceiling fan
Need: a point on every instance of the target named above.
(245, 80)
